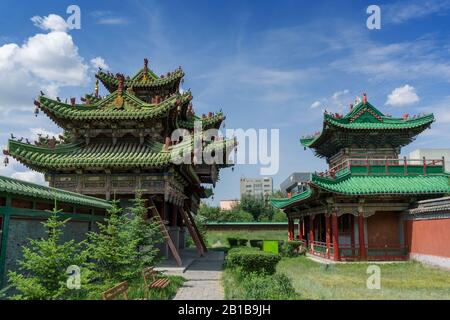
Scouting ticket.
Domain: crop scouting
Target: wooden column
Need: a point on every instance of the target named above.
(361, 238)
(334, 225)
(311, 232)
(328, 234)
(300, 229)
(352, 235)
(174, 215)
(290, 229)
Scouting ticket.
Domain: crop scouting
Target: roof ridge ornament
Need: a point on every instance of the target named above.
(96, 88)
(119, 99)
(145, 75)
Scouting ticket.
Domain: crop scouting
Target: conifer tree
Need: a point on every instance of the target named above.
(112, 249)
(44, 264)
(146, 233)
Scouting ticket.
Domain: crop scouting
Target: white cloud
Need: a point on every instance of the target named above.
(112, 21)
(403, 11)
(338, 94)
(402, 96)
(30, 176)
(36, 131)
(316, 104)
(51, 22)
(43, 62)
(107, 17)
(99, 62)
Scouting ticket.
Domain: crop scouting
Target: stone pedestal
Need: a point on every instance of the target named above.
(182, 238)
(163, 249)
(174, 233)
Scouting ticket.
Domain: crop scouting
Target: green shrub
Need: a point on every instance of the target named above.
(232, 242)
(242, 242)
(293, 248)
(235, 242)
(250, 260)
(273, 287)
(256, 244)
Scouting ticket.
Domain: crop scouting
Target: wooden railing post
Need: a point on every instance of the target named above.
(424, 166)
(386, 164)
(367, 166)
(405, 164)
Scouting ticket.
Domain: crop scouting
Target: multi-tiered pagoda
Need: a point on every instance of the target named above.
(114, 145)
(358, 208)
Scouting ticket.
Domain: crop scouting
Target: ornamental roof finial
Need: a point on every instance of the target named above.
(145, 75)
(121, 79)
(96, 88)
(364, 98)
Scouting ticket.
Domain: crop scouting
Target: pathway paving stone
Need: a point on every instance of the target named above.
(203, 278)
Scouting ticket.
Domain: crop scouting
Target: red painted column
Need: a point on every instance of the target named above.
(300, 229)
(334, 225)
(290, 230)
(311, 232)
(362, 244)
(328, 234)
(352, 234)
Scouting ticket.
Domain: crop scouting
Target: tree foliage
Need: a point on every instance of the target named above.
(44, 264)
(249, 208)
(146, 234)
(112, 249)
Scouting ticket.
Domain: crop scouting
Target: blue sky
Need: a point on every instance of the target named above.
(267, 64)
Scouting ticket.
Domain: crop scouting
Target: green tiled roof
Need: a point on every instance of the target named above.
(281, 203)
(349, 184)
(371, 185)
(23, 188)
(106, 109)
(101, 155)
(207, 122)
(111, 82)
(366, 117)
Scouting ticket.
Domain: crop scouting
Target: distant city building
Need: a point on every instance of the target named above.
(432, 154)
(295, 183)
(257, 186)
(227, 205)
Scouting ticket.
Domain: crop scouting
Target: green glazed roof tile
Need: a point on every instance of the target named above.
(364, 116)
(23, 188)
(121, 154)
(111, 82)
(106, 109)
(371, 185)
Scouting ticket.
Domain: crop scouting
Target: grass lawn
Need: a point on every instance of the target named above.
(406, 280)
(219, 238)
(137, 290)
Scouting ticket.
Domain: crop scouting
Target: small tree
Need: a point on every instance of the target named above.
(45, 262)
(112, 249)
(145, 233)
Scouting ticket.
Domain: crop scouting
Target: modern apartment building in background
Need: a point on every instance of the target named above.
(297, 182)
(257, 186)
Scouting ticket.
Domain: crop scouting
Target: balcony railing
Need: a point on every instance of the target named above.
(386, 166)
(374, 252)
(320, 249)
